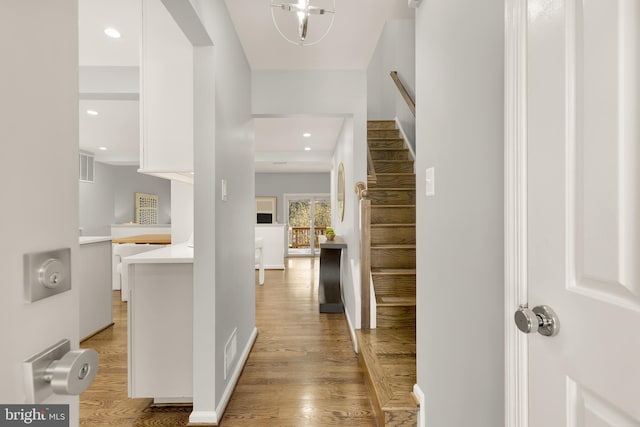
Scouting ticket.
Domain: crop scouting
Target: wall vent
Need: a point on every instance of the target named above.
(230, 350)
(86, 166)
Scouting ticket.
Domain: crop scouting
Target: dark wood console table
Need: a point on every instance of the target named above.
(330, 286)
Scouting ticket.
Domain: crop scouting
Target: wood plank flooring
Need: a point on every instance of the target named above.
(302, 370)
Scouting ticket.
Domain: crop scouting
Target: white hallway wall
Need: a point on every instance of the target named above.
(459, 66)
(318, 93)
(395, 51)
(228, 154)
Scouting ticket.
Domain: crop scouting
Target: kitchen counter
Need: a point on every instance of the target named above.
(85, 240)
(160, 312)
(154, 239)
(173, 254)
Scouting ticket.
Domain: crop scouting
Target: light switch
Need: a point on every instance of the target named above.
(224, 190)
(430, 181)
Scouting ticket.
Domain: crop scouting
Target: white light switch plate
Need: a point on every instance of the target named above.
(430, 181)
(224, 190)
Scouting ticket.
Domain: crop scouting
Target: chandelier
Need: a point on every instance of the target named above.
(297, 31)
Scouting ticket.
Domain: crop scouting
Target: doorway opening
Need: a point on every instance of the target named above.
(308, 216)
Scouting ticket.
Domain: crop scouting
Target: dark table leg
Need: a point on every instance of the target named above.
(329, 287)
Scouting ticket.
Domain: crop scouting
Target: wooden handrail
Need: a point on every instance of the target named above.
(403, 91)
(365, 255)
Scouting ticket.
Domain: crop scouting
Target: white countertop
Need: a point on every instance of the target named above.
(173, 254)
(269, 225)
(130, 225)
(84, 240)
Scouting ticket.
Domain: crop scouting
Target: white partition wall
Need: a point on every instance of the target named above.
(273, 236)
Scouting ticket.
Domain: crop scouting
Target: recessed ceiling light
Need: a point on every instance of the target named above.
(306, 135)
(112, 32)
(102, 148)
(92, 112)
(307, 148)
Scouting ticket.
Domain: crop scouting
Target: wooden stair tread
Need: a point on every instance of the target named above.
(394, 246)
(382, 300)
(393, 271)
(376, 189)
(385, 353)
(392, 225)
(396, 174)
(395, 206)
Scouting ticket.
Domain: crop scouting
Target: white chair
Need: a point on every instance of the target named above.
(259, 259)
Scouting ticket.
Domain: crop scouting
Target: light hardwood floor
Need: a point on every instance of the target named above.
(302, 370)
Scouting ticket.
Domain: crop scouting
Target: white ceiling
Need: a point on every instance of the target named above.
(279, 141)
(349, 45)
(280, 144)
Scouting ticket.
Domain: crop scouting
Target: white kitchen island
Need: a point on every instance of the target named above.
(94, 284)
(160, 312)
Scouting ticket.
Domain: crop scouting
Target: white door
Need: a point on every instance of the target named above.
(38, 179)
(583, 101)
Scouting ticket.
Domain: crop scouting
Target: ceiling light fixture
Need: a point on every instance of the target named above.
(102, 148)
(306, 135)
(297, 31)
(307, 148)
(112, 32)
(92, 112)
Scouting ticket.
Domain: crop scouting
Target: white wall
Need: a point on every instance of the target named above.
(395, 51)
(230, 223)
(39, 175)
(111, 198)
(348, 227)
(459, 64)
(181, 211)
(167, 90)
(318, 93)
(278, 184)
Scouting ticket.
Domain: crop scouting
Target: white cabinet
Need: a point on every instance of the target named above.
(166, 95)
(160, 311)
(94, 284)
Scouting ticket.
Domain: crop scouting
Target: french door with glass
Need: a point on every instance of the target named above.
(308, 216)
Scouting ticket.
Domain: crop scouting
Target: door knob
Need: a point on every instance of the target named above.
(541, 319)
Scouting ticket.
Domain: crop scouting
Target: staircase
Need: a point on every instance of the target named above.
(387, 353)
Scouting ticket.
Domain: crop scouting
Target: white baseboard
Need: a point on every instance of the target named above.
(231, 385)
(211, 417)
(417, 392)
(172, 400)
(352, 332)
(203, 417)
